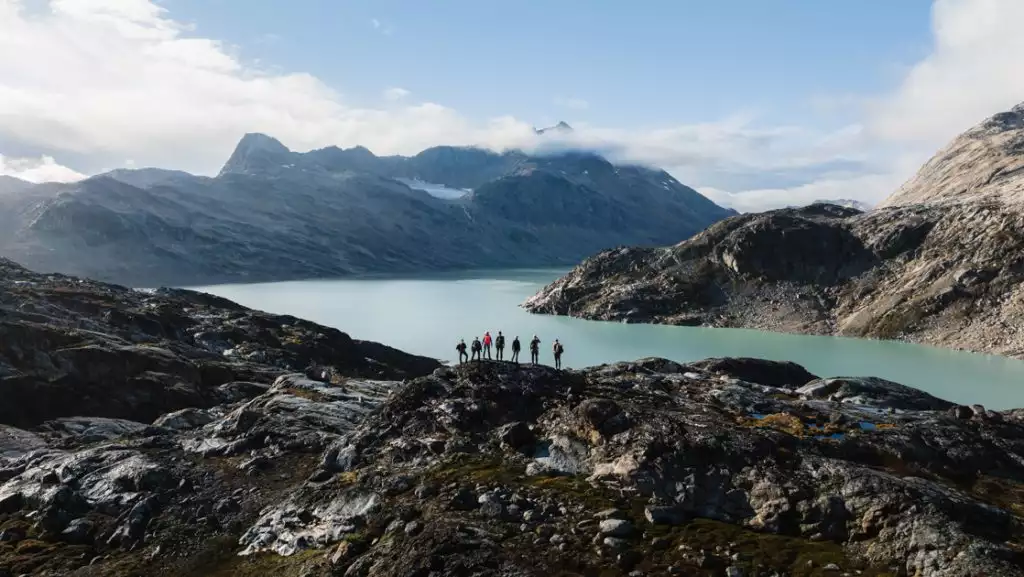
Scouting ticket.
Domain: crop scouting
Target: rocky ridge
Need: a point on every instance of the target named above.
(938, 263)
(71, 346)
(737, 467)
(275, 214)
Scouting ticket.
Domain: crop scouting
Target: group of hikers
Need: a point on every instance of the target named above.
(481, 347)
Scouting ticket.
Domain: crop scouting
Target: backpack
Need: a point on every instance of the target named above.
(559, 348)
(500, 341)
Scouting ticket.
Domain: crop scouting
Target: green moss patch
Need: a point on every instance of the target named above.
(756, 552)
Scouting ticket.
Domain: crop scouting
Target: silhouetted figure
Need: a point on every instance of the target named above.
(487, 345)
(558, 349)
(535, 350)
(515, 350)
(461, 347)
(499, 346)
(476, 348)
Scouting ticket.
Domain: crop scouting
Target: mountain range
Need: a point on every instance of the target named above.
(941, 261)
(274, 214)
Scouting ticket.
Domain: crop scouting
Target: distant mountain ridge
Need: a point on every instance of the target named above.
(273, 214)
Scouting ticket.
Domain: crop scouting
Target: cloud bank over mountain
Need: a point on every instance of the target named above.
(123, 83)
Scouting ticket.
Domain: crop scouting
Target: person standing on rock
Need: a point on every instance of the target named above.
(557, 349)
(515, 350)
(461, 347)
(535, 350)
(487, 345)
(499, 346)
(475, 348)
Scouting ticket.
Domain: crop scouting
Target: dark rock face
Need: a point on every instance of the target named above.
(72, 347)
(762, 372)
(937, 263)
(711, 471)
(274, 214)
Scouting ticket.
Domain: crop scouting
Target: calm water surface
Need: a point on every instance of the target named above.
(427, 315)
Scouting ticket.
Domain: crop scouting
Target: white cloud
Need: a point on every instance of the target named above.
(109, 80)
(571, 103)
(395, 94)
(381, 27)
(42, 169)
(972, 72)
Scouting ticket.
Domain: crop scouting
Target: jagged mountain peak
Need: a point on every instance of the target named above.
(561, 127)
(258, 140)
(256, 151)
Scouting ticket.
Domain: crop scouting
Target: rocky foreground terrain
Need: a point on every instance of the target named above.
(174, 433)
(941, 262)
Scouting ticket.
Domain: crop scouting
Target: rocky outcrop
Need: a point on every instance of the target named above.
(172, 433)
(940, 263)
(71, 346)
(642, 468)
(275, 214)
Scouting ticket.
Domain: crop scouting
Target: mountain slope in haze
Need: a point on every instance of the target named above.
(274, 214)
(940, 262)
(985, 163)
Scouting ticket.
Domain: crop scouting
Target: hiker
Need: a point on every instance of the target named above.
(515, 350)
(499, 345)
(535, 350)
(487, 345)
(475, 348)
(557, 348)
(461, 347)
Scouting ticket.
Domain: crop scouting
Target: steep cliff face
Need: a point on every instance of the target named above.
(940, 262)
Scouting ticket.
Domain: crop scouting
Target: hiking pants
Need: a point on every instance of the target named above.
(558, 361)
(515, 356)
(463, 357)
(534, 357)
(501, 352)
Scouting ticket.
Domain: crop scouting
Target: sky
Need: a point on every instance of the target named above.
(755, 103)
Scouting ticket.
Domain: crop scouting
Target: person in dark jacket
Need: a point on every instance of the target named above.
(499, 346)
(558, 349)
(461, 347)
(535, 350)
(476, 347)
(515, 350)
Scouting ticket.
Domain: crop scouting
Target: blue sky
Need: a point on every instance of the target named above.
(755, 103)
(651, 63)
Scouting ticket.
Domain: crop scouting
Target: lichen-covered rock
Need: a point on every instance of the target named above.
(644, 467)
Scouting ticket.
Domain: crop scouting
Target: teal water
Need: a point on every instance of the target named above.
(427, 316)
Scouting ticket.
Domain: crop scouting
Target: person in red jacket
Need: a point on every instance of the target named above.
(487, 345)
